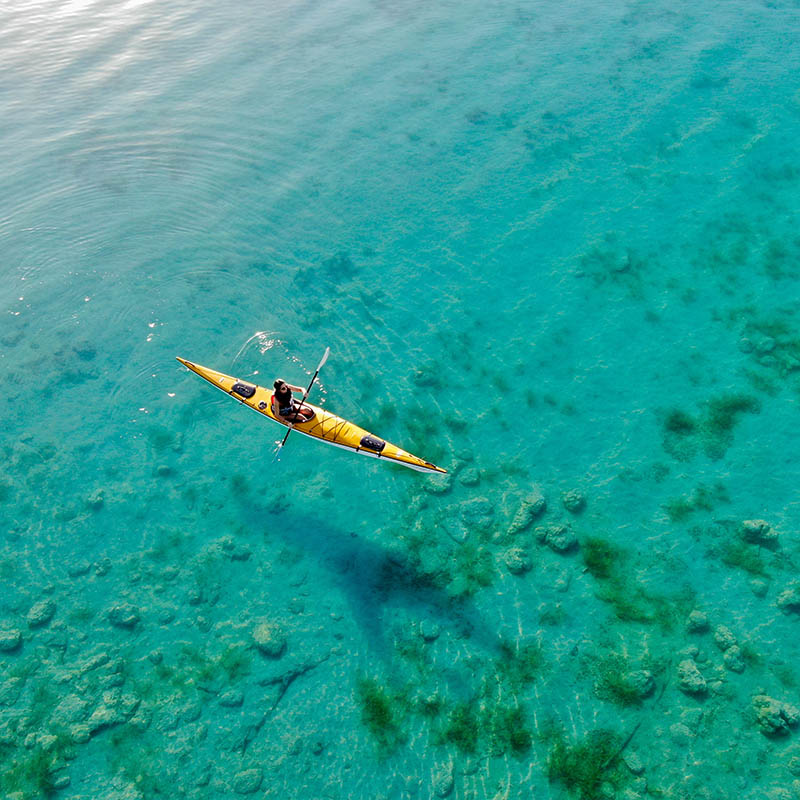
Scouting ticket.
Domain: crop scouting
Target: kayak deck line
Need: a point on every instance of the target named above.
(323, 426)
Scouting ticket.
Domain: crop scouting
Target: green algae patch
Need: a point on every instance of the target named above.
(711, 432)
(463, 728)
(135, 755)
(518, 665)
(30, 773)
(459, 571)
(619, 680)
(382, 712)
(584, 766)
(679, 434)
(703, 498)
(680, 423)
(631, 601)
(600, 557)
(510, 732)
(744, 556)
(473, 569)
(721, 416)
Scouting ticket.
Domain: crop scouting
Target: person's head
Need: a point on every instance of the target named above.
(281, 387)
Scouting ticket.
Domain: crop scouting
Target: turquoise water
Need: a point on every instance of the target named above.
(552, 248)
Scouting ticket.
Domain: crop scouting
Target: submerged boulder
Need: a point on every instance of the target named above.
(123, 615)
(574, 501)
(41, 613)
(734, 659)
(10, 640)
(517, 561)
(690, 679)
(697, 622)
(758, 531)
(560, 538)
(248, 781)
(724, 638)
(531, 507)
(789, 599)
(773, 717)
(269, 638)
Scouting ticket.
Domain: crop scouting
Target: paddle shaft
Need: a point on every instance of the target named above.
(305, 394)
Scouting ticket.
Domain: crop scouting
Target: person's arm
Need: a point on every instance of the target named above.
(300, 389)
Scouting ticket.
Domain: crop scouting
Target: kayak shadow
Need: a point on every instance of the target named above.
(376, 579)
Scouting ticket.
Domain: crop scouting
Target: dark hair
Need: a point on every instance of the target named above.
(277, 383)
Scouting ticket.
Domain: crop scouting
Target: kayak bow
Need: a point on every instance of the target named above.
(324, 426)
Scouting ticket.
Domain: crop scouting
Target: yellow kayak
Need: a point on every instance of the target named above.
(323, 425)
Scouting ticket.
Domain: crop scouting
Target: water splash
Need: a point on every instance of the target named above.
(266, 341)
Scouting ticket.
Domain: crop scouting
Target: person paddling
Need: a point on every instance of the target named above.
(285, 407)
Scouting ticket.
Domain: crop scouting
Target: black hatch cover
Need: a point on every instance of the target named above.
(243, 389)
(372, 443)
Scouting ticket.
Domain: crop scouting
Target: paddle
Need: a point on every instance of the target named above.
(305, 395)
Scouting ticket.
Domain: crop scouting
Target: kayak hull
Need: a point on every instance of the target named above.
(323, 426)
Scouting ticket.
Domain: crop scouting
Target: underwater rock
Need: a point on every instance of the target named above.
(240, 552)
(444, 781)
(478, 513)
(247, 781)
(193, 710)
(93, 662)
(79, 568)
(633, 762)
(734, 659)
(517, 560)
(764, 345)
(10, 690)
(642, 682)
(41, 613)
(759, 587)
(103, 567)
(697, 622)
(562, 581)
(574, 501)
(456, 530)
(724, 638)
(70, 710)
(80, 733)
(104, 716)
(270, 639)
(789, 600)
(141, 719)
(439, 484)
(691, 718)
(123, 615)
(757, 531)
(773, 717)
(96, 499)
(233, 698)
(690, 679)
(793, 763)
(559, 538)
(680, 733)
(10, 640)
(470, 477)
(532, 506)
(429, 630)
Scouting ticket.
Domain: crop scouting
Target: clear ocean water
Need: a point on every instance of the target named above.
(552, 247)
